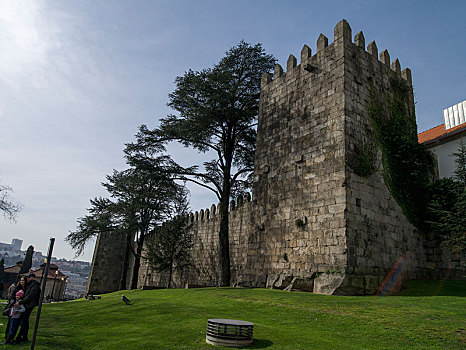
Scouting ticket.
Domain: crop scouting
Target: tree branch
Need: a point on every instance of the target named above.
(217, 193)
(178, 138)
(242, 171)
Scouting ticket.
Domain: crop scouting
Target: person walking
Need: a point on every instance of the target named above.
(30, 301)
(14, 318)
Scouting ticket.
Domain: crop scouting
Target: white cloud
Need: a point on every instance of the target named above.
(22, 41)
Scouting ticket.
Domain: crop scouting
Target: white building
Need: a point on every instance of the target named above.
(444, 139)
(14, 246)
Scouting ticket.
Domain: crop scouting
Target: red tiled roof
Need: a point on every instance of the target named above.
(13, 269)
(438, 133)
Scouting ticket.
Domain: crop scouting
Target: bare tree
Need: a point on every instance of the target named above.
(7, 207)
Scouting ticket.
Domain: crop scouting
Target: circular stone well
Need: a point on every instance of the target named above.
(229, 332)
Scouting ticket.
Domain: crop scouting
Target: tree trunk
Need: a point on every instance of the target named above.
(2, 275)
(224, 243)
(124, 274)
(137, 262)
(170, 271)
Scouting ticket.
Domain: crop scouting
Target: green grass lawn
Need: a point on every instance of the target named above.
(177, 318)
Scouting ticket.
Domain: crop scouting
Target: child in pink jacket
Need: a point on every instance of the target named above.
(15, 314)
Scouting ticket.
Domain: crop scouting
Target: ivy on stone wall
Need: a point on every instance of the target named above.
(407, 165)
(362, 158)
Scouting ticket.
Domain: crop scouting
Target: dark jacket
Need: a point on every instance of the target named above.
(31, 295)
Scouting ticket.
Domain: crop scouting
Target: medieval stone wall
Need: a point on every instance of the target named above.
(379, 235)
(205, 226)
(295, 225)
(311, 215)
(442, 263)
(300, 167)
(107, 264)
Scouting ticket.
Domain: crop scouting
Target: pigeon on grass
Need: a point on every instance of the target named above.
(125, 300)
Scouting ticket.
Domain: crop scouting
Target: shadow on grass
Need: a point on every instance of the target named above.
(48, 344)
(53, 341)
(433, 288)
(259, 344)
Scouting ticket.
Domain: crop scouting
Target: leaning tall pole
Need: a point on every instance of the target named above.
(42, 291)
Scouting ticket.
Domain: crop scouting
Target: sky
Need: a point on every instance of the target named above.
(77, 78)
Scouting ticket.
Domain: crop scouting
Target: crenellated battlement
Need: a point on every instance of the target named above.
(342, 34)
(207, 214)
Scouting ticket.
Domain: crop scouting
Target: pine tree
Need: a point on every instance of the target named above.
(216, 111)
(141, 198)
(27, 262)
(168, 248)
(447, 206)
(2, 275)
(460, 160)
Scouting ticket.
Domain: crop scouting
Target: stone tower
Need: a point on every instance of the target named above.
(345, 230)
(107, 264)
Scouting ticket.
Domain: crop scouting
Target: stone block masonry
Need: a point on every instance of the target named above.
(311, 216)
(107, 264)
(205, 226)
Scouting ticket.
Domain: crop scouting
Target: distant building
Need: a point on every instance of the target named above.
(11, 252)
(56, 282)
(11, 275)
(444, 139)
(15, 245)
(76, 286)
(73, 282)
(37, 259)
